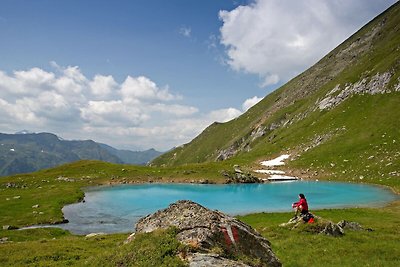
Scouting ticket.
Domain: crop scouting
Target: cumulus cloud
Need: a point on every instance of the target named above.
(224, 115)
(103, 86)
(142, 88)
(278, 39)
(248, 103)
(133, 113)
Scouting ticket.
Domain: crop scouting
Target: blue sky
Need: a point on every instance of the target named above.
(154, 73)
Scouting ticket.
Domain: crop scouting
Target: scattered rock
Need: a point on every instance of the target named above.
(11, 185)
(204, 230)
(61, 221)
(333, 230)
(65, 179)
(9, 227)
(3, 240)
(35, 206)
(94, 235)
(17, 197)
(211, 260)
(346, 225)
(322, 226)
(376, 85)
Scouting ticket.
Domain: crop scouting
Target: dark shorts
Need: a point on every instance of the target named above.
(304, 212)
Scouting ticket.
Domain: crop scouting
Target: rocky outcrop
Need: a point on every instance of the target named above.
(240, 177)
(323, 226)
(207, 231)
(376, 85)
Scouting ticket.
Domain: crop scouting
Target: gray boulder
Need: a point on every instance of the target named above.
(346, 225)
(333, 230)
(211, 260)
(206, 231)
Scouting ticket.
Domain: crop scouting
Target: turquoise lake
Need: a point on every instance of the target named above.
(115, 209)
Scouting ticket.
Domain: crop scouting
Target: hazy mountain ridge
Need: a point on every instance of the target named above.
(27, 152)
(333, 101)
(133, 157)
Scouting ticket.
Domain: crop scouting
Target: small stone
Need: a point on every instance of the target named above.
(17, 197)
(94, 234)
(35, 206)
(9, 227)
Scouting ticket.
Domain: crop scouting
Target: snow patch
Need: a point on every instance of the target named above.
(275, 162)
(276, 175)
(270, 171)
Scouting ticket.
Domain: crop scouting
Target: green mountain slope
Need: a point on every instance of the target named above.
(22, 153)
(340, 116)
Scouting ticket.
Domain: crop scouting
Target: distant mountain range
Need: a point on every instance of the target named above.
(25, 152)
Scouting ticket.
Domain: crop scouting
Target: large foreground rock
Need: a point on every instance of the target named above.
(208, 231)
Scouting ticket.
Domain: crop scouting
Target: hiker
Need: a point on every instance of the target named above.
(301, 206)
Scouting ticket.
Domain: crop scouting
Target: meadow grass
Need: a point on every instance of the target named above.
(56, 247)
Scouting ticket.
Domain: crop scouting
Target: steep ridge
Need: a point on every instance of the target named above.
(344, 106)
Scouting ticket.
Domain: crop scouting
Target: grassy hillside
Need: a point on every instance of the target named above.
(289, 118)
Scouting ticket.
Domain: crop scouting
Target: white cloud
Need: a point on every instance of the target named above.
(248, 103)
(103, 86)
(112, 113)
(278, 39)
(224, 115)
(177, 110)
(134, 113)
(142, 88)
(185, 31)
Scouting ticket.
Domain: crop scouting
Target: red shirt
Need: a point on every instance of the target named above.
(303, 204)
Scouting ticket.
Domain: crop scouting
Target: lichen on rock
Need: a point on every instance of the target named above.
(205, 230)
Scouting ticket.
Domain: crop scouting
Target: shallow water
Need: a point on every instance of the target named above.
(117, 208)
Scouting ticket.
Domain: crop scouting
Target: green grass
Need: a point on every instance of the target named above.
(158, 248)
(54, 188)
(380, 247)
(55, 247)
(52, 247)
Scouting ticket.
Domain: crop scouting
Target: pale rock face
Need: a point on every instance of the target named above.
(205, 229)
(376, 85)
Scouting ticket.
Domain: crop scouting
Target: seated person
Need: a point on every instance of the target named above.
(300, 206)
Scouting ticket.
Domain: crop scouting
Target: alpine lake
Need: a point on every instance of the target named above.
(116, 209)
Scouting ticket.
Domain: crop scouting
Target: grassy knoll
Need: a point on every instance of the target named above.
(380, 247)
